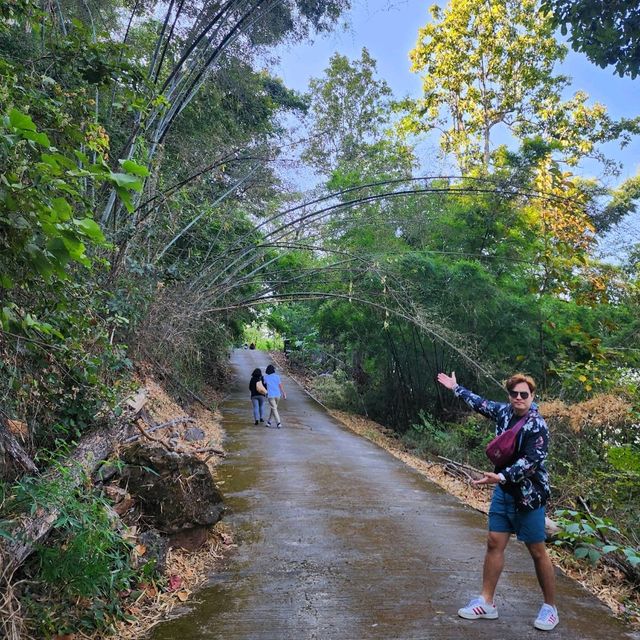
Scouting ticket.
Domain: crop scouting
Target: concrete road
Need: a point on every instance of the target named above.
(338, 540)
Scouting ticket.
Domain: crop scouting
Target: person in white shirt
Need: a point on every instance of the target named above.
(275, 391)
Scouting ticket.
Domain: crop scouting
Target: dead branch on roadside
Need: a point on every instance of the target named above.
(460, 470)
(157, 427)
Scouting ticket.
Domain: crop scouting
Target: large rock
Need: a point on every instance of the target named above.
(175, 491)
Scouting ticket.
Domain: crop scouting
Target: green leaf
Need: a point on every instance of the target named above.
(58, 249)
(62, 208)
(40, 138)
(125, 197)
(581, 552)
(126, 181)
(594, 555)
(5, 281)
(57, 159)
(608, 548)
(91, 229)
(133, 167)
(21, 120)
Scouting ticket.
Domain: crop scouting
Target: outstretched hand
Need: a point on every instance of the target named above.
(487, 478)
(448, 381)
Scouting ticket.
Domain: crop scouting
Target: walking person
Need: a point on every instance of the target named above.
(275, 391)
(519, 497)
(258, 395)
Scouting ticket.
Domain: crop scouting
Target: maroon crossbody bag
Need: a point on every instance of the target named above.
(503, 447)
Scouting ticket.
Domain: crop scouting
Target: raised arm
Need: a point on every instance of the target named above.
(487, 408)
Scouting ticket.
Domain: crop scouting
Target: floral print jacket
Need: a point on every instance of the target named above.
(527, 479)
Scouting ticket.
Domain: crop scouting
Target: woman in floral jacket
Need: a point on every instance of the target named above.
(519, 498)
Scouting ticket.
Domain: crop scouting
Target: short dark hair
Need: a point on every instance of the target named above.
(270, 369)
(517, 378)
(256, 373)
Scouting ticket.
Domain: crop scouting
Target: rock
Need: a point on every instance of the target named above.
(124, 505)
(551, 528)
(189, 539)
(137, 401)
(174, 491)
(106, 471)
(194, 433)
(156, 548)
(114, 493)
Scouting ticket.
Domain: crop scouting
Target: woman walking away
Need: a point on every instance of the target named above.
(520, 494)
(275, 390)
(257, 396)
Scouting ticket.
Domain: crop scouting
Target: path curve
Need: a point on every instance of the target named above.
(339, 540)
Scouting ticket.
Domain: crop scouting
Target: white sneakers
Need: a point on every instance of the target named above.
(478, 608)
(547, 618)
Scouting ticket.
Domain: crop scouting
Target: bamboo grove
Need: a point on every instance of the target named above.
(151, 207)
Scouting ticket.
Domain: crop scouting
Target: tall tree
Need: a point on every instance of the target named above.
(349, 109)
(489, 66)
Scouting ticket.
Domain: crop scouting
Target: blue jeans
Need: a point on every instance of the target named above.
(258, 404)
(505, 518)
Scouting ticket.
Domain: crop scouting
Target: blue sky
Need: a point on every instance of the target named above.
(389, 29)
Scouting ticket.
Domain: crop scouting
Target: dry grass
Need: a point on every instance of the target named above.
(185, 573)
(11, 618)
(602, 412)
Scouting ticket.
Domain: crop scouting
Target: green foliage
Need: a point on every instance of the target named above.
(625, 458)
(264, 338)
(337, 391)
(606, 31)
(348, 107)
(464, 442)
(490, 65)
(85, 556)
(588, 536)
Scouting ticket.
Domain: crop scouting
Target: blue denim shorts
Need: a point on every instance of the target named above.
(504, 518)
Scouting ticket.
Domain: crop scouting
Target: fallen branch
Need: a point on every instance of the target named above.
(218, 452)
(157, 427)
(9, 445)
(461, 467)
(458, 472)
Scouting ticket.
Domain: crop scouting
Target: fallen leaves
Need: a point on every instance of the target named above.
(175, 582)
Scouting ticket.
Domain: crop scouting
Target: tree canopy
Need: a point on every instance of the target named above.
(606, 31)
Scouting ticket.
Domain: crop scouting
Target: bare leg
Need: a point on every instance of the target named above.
(493, 563)
(544, 571)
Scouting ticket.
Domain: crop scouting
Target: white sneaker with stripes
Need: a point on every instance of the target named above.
(547, 618)
(478, 608)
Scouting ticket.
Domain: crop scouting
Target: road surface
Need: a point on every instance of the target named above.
(338, 540)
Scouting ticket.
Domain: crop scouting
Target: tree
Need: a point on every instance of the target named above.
(489, 66)
(484, 65)
(349, 109)
(606, 31)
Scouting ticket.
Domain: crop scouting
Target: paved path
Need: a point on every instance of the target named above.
(338, 540)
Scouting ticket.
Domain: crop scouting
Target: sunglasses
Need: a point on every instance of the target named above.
(523, 394)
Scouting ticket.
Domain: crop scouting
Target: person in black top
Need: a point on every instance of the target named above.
(257, 398)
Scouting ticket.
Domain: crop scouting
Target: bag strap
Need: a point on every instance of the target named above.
(518, 425)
